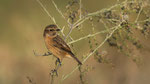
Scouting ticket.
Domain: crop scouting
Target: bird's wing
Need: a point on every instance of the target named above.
(61, 44)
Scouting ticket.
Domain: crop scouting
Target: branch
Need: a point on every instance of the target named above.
(59, 11)
(81, 75)
(139, 14)
(80, 9)
(71, 28)
(45, 54)
(83, 19)
(90, 35)
(52, 18)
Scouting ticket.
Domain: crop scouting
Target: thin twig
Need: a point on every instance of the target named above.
(45, 54)
(81, 75)
(80, 9)
(80, 21)
(90, 35)
(52, 79)
(104, 24)
(59, 11)
(139, 14)
(52, 18)
(30, 80)
(144, 20)
(71, 28)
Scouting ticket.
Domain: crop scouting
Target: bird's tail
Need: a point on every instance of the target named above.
(73, 56)
(77, 60)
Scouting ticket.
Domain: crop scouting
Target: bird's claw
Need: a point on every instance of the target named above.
(54, 72)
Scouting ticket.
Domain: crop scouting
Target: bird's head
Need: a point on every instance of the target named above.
(51, 30)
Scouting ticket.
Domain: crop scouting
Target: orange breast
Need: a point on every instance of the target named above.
(54, 50)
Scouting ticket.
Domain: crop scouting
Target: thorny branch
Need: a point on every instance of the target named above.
(81, 20)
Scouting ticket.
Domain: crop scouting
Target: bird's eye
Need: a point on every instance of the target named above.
(51, 30)
(57, 29)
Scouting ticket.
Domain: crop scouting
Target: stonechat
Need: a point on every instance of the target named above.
(56, 45)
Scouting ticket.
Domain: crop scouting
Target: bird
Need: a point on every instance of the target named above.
(56, 45)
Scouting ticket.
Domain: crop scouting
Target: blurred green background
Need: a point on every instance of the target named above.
(21, 31)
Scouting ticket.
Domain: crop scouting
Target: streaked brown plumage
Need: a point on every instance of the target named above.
(56, 45)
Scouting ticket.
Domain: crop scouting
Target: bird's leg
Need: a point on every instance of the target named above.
(45, 54)
(58, 64)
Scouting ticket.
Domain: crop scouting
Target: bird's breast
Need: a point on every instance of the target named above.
(56, 51)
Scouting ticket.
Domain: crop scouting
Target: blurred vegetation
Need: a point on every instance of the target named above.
(110, 37)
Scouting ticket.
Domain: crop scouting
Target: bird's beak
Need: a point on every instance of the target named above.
(58, 29)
